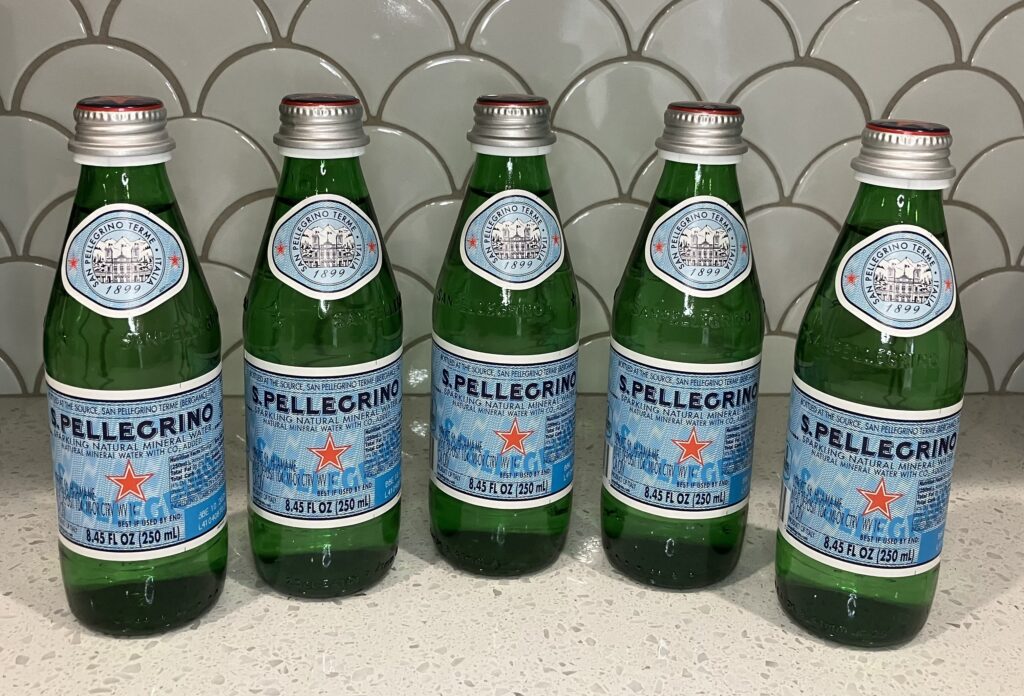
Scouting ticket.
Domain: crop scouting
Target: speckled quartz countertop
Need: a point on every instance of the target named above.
(576, 628)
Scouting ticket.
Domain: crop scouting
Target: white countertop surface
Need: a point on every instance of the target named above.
(576, 628)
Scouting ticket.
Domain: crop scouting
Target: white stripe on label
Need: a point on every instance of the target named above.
(698, 368)
(876, 411)
(134, 394)
(134, 556)
(502, 359)
(327, 372)
(325, 524)
(674, 514)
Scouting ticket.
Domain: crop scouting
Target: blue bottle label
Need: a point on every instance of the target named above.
(680, 436)
(700, 247)
(503, 426)
(513, 240)
(139, 474)
(324, 443)
(899, 281)
(865, 489)
(122, 261)
(325, 247)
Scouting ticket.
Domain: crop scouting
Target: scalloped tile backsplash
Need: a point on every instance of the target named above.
(806, 72)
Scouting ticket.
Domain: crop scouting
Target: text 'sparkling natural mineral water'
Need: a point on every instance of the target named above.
(685, 360)
(878, 385)
(132, 352)
(323, 370)
(506, 332)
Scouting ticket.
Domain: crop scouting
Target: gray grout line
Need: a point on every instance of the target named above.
(992, 23)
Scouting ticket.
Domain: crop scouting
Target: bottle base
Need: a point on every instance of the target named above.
(479, 553)
(148, 607)
(848, 618)
(686, 567)
(323, 576)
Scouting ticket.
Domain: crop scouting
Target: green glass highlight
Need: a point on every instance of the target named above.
(474, 313)
(656, 319)
(839, 354)
(284, 326)
(174, 342)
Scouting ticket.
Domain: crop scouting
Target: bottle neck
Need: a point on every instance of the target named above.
(682, 180)
(147, 186)
(877, 207)
(495, 173)
(302, 178)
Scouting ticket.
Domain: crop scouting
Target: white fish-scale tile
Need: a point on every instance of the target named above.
(719, 43)
(420, 241)
(29, 29)
(777, 366)
(757, 183)
(795, 312)
(975, 246)
(637, 15)
(600, 241)
(283, 12)
(21, 322)
(985, 185)
(1014, 384)
(436, 100)
(95, 10)
(416, 307)
(239, 239)
(249, 90)
(36, 169)
(828, 184)
(971, 17)
(400, 172)
(593, 320)
(228, 288)
(647, 180)
(985, 300)
(213, 166)
(234, 371)
(973, 128)
(190, 48)
(618, 107)
(48, 240)
(85, 70)
(9, 380)
(785, 111)
(574, 34)
(5, 250)
(1001, 51)
(592, 373)
(977, 381)
(578, 174)
(807, 16)
(884, 43)
(791, 246)
(374, 41)
(416, 365)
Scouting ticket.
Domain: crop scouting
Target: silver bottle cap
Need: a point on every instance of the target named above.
(120, 127)
(702, 131)
(511, 121)
(914, 151)
(317, 123)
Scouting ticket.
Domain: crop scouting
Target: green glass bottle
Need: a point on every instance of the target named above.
(323, 370)
(687, 331)
(132, 353)
(879, 380)
(506, 333)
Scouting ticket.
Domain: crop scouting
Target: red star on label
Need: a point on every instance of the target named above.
(743, 248)
(659, 247)
(330, 454)
(879, 499)
(851, 278)
(73, 263)
(175, 260)
(130, 483)
(279, 249)
(514, 438)
(692, 448)
(472, 242)
(556, 239)
(372, 246)
(949, 284)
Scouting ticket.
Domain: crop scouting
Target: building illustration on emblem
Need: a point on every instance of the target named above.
(327, 247)
(122, 261)
(903, 280)
(515, 240)
(704, 247)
